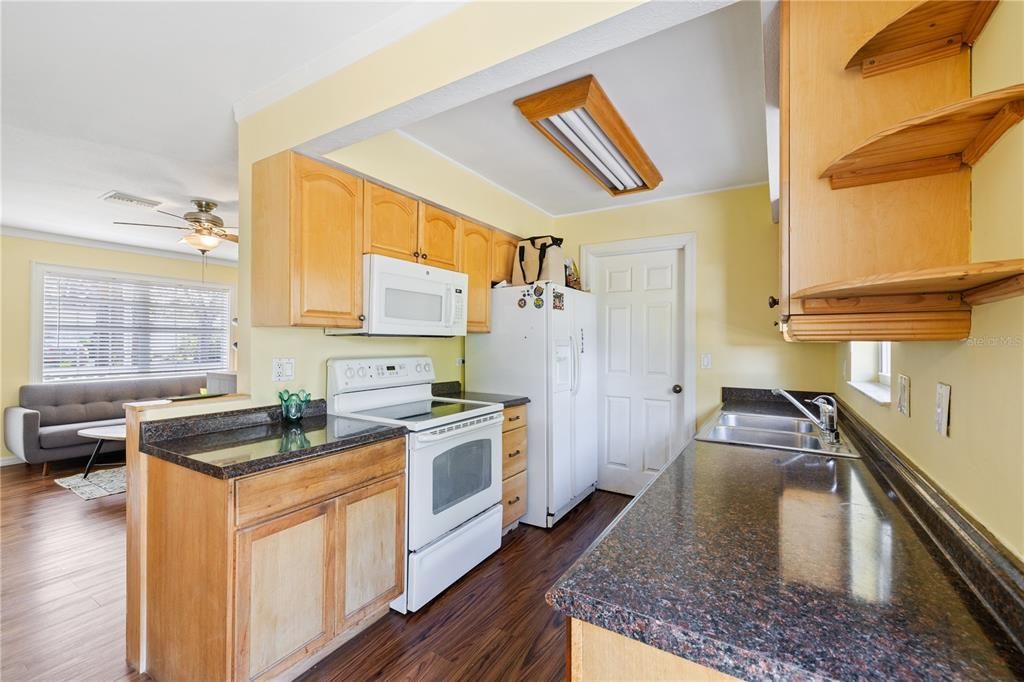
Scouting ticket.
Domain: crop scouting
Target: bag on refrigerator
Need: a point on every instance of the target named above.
(538, 258)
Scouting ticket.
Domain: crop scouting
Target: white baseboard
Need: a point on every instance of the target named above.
(7, 460)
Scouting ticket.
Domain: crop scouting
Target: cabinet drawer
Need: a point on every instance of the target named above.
(513, 452)
(513, 498)
(514, 417)
(267, 494)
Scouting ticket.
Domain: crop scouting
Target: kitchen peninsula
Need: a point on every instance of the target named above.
(251, 527)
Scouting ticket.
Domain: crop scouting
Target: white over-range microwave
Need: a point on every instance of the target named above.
(408, 299)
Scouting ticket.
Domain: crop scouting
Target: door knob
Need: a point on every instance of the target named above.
(677, 389)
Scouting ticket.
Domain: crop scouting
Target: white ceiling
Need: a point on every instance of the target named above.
(139, 97)
(693, 95)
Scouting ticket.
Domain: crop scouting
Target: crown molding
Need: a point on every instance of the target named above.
(38, 235)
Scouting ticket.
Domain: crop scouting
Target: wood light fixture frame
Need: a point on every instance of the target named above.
(585, 93)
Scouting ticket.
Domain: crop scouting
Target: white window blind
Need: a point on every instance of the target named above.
(98, 325)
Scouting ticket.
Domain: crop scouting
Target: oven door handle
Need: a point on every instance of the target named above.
(434, 437)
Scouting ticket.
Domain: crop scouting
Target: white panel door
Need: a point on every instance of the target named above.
(639, 368)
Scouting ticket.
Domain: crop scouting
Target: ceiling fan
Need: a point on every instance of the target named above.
(205, 232)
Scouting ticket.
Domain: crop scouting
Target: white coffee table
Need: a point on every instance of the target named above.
(102, 434)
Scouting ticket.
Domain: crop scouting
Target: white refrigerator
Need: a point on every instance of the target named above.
(543, 345)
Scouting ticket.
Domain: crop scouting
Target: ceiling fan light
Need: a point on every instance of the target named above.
(201, 242)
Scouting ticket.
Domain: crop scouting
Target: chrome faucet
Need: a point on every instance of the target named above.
(828, 414)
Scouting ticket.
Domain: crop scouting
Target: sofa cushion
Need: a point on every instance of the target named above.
(86, 401)
(63, 435)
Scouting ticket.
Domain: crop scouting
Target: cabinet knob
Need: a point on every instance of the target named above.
(362, 318)
(423, 256)
(514, 501)
(415, 254)
(772, 301)
(515, 454)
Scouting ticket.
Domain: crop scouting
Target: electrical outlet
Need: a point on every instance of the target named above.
(282, 369)
(903, 394)
(705, 360)
(942, 394)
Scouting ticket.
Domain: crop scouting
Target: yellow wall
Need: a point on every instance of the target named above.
(475, 37)
(981, 464)
(737, 269)
(17, 255)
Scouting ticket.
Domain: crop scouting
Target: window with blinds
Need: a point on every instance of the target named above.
(104, 326)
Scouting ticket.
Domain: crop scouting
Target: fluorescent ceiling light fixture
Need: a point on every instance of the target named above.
(579, 119)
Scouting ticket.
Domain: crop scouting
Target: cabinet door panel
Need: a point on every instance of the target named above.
(285, 597)
(391, 223)
(371, 549)
(326, 245)
(440, 238)
(504, 252)
(476, 262)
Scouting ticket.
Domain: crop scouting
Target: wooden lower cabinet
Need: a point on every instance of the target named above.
(285, 590)
(306, 577)
(370, 550)
(513, 465)
(258, 577)
(598, 654)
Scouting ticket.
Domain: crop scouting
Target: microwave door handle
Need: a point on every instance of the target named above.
(451, 306)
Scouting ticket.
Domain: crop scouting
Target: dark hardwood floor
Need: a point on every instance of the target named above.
(61, 579)
(62, 597)
(491, 625)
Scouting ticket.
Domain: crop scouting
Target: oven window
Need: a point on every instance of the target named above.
(461, 472)
(402, 304)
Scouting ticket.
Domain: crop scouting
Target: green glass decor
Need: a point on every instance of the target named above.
(293, 404)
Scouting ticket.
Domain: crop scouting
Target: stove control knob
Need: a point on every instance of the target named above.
(419, 367)
(349, 373)
(362, 372)
(426, 366)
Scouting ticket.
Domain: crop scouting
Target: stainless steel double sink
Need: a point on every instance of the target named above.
(783, 433)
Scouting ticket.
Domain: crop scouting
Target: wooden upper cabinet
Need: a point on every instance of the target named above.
(307, 242)
(477, 247)
(503, 255)
(829, 235)
(440, 238)
(391, 223)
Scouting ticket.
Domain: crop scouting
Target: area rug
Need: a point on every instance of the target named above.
(101, 482)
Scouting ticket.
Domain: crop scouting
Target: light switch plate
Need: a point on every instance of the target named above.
(903, 394)
(705, 360)
(282, 369)
(942, 393)
(459, 362)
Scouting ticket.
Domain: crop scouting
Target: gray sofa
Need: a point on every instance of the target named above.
(44, 426)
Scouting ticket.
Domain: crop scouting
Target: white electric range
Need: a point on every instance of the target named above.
(453, 466)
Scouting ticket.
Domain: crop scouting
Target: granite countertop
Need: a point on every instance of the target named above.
(250, 449)
(453, 389)
(769, 565)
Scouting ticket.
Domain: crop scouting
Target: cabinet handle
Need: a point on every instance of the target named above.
(415, 254)
(513, 454)
(514, 419)
(513, 501)
(772, 301)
